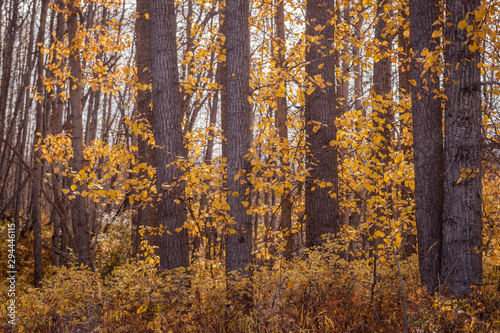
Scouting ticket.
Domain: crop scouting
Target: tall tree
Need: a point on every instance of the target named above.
(80, 228)
(36, 194)
(174, 247)
(281, 118)
(382, 79)
(461, 265)
(7, 57)
(320, 110)
(427, 142)
(146, 215)
(239, 137)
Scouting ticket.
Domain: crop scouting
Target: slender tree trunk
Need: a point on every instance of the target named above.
(461, 265)
(427, 143)
(7, 56)
(281, 118)
(223, 85)
(80, 228)
(36, 196)
(320, 110)
(239, 138)
(147, 216)
(358, 71)
(174, 247)
(382, 79)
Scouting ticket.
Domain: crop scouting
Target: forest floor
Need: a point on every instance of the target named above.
(323, 293)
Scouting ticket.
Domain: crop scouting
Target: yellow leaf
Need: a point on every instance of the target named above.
(473, 47)
(459, 180)
(435, 34)
(73, 187)
(235, 194)
(147, 16)
(65, 191)
(56, 169)
(462, 24)
(378, 234)
(142, 309)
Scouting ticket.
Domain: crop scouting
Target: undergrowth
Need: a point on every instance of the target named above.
(318, 292)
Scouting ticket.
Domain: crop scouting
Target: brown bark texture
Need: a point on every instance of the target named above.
(427, 143)
(322, 210)
(80, 228)
(174, 247)
(239, 138)
(461, 265)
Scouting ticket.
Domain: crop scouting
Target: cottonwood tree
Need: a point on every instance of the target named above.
(174, 247)
(285, 222)
(461, 265)
(321, 203)
(239, 139)
(80, 227)
(36, 195)
(427, 140)
(146, 214)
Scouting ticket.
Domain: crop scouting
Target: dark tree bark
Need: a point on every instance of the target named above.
(147, 216)
(174, 247)
(404, 73)
(461, 265)
(223, 87)
(320, 109)
(281, 118)
(383, 117)
(427, 143)
(80, 227)
(239, 138)
(36, 194)
(58, 236)
(7, 57)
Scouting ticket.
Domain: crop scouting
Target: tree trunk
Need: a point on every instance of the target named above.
(239, 138)
(461, 265)
(281, 118)
(174, 247)
(80, 228)
(320, 110)
(427, 144)
(147, 215)
(36, 194)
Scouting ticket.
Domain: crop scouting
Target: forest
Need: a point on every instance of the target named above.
(250, 165)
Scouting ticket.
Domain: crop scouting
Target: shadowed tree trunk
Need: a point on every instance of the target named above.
(36, 194)
(80, 227)
(281, 118)
(239, 138)
(461, 265)
(174, 247)
(320, 110)
(7, 56)
(427, 143)
(147, 215)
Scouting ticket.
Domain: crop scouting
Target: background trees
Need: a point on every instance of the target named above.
(243, 132)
